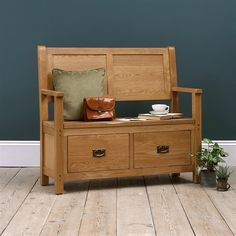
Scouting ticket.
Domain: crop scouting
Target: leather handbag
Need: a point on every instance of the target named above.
(99, 108)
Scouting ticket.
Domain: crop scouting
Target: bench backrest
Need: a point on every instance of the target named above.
(131, 73)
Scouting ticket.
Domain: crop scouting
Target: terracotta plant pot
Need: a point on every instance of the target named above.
(208, 178)
(222, 185)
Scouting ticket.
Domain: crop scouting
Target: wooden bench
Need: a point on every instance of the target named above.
(131, 147)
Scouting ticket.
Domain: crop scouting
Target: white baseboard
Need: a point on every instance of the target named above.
(26, 153)
(19, 153)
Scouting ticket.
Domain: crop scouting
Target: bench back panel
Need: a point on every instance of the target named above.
(131, 73)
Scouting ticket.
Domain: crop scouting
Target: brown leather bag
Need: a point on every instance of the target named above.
(99, 108)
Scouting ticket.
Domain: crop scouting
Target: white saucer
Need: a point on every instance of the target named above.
(158, 112)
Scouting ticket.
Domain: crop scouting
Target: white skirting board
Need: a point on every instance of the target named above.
(26, 153)
(19, 153)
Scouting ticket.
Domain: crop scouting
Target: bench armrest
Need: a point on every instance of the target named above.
(57, 98)
(186, 90)
(196, 115)
(52, 93)
(196, 100)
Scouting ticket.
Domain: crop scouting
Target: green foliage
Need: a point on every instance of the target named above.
(210, 157)
(223, 172)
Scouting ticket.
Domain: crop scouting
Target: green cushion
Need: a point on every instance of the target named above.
(77, 85)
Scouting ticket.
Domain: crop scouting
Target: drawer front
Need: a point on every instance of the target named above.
(98, 152)
(157, 149)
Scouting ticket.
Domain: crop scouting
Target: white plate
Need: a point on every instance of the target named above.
(158, 112)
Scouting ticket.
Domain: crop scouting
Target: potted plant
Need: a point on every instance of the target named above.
(209, 157)
(223, 173)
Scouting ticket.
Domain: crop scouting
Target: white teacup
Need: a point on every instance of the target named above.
(160, 108)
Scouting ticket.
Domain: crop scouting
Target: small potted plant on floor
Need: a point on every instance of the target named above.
(222, 174)
(209, 157)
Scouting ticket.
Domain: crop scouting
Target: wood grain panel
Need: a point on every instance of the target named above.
(80, 152)
(79, 62)
(137, 77)
(128, 172)
(49, 151)
(137, 82)
(150, 63)
(131, 129)
(74, 62)
(117, 123)
(71, 51)
(138, 60)
(145, 149)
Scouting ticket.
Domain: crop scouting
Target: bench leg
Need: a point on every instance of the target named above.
(44, 179)
(196, 177)
(59, 185)
(58, 139)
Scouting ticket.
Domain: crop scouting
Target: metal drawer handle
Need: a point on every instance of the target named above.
(99, 152)
(163, 149)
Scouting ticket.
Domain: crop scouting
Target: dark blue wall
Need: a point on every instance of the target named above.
(203, 32)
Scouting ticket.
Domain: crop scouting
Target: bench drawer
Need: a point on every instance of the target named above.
(155, 149)
(98, 152)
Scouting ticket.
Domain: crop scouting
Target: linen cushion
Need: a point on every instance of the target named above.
(77, 85)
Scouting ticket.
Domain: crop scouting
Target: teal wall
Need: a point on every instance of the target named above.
(203, 32)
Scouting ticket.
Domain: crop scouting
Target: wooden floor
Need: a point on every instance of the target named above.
(125, 206)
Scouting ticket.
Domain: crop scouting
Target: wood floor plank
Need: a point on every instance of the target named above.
(225, 201)
(67, 211)
(6, 175)
(112, 207)
(30, 218)
(202, 214)
(99, 216)
(168, 215)
(133, 210)
(15, 193)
